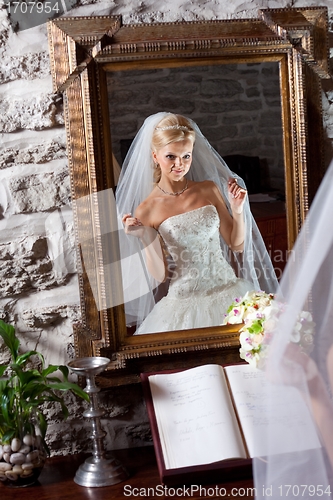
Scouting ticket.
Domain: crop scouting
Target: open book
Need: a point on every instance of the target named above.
(210, 414)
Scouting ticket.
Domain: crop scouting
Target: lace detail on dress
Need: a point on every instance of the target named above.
(193, 241)
(202, 284)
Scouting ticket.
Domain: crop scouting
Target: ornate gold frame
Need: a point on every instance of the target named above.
(82, 50)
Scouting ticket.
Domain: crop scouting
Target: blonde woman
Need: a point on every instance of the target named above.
(192, 217)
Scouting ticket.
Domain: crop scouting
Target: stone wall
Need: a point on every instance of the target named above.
(237, 107)
(36, 226)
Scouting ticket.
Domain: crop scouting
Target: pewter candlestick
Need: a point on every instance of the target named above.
(96, 470)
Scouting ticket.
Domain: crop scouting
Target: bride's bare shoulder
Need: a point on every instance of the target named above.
(145, 209)
(204, 185)
(208, 190)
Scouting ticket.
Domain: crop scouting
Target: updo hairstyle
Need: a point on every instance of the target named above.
(172, 128)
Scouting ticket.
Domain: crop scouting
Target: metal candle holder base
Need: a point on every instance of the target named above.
(98, 470)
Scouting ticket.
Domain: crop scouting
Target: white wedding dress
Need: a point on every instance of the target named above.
(203, 284)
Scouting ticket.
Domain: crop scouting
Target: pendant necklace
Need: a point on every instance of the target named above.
(173, 194)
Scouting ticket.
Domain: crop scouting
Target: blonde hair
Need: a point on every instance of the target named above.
(172, 128)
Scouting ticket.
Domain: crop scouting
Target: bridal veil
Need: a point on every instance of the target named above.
(306, 285)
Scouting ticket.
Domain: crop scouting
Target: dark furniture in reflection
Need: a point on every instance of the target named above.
(272, 223)
(270, 216)
(248, 168)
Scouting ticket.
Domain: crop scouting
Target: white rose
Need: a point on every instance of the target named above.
(233, 320)
(245, 341)
(257, 340)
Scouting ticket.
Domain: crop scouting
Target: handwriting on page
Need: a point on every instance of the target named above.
(252, 402)
(250, 389)
(195, 417)
(192, 393)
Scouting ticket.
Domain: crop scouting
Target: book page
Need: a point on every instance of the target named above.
(195, 417)
(289, 414)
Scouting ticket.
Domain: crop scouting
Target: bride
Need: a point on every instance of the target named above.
(191, 216)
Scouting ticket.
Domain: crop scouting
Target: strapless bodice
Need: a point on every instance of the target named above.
(203, 285)
(192, 239)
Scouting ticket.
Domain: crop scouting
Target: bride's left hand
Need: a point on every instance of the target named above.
(237, 196)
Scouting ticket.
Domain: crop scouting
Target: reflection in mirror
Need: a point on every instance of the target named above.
(238, 109)
(84, 50)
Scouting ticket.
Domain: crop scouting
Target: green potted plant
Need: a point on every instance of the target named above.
(25, 385)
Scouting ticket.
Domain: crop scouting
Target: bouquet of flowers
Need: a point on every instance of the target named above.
(259, 312)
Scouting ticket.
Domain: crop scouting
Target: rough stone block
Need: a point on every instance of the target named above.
(27, 67)
(37, 154)
(26, 266)
(47, 316)
(222, 88)
(34, 113)
(40, 192)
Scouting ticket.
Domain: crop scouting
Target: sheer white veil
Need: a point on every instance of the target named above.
(135, 184)
(306, 285)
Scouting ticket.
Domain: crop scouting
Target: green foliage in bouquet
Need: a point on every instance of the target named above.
(259, 312)
(25, 389)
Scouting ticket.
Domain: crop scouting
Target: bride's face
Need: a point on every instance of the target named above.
(174, 159)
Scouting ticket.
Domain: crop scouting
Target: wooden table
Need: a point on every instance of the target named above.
(56, 482)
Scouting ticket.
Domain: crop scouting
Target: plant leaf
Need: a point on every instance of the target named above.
(256, 327)
(50, 369)
(3, 368)
(25, 376)
(22, 358)
(42, 423)
(26, 390)
(64, 370)
(7, 332)
(70, 386)
(8, 436)
(5, 406)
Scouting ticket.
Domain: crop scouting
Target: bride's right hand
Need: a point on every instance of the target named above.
(133, 225)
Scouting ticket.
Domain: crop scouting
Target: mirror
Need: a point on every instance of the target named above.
(86, 54)
(238, 109)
